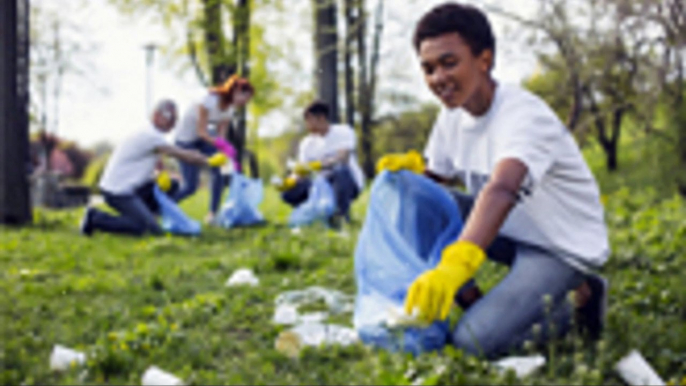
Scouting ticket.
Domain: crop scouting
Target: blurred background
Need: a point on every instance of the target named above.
(612, 69)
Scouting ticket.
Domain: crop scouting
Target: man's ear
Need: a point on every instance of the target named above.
(486, 60)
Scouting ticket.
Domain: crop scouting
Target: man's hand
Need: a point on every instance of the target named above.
(433, 292)
(287, 184)
(411, 161)
(164, 181)
(304, 169)
(315, 165)
(225, 147)
(217, 160)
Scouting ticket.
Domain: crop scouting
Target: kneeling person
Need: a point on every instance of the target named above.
(329, 149)
(532, 203)
(129, 178)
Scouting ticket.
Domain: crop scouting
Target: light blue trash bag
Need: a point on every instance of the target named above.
(320, 204)
(410, 220)
(174, 220)
(241, 207)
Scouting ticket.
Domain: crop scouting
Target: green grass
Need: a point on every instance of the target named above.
(131, 303)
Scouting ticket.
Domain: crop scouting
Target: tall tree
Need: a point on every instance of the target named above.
(368, 62)
(15, 207)
(241, 44)
(351, 27)
(603, 64)
(326, 53)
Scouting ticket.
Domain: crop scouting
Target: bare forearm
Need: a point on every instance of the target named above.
(188, 156)
(490, 210)
(192, 157)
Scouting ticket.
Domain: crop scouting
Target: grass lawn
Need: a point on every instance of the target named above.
(131, 303)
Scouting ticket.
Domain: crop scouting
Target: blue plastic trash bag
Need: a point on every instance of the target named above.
(320, 204)
(410, 220)
(242, 202)
(173, 219)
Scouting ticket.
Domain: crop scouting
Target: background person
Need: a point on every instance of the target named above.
(129, 178)
(216, 108)
(329, 149)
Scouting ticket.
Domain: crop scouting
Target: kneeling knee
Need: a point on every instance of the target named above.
(473, 343)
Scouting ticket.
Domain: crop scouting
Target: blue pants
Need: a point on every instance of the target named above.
(342, 182)
(191, 175)
(137, 213)
(506, 316)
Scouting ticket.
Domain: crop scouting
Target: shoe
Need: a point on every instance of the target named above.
(591, 317)
(211, 219)
(335, 222)
(86, 226)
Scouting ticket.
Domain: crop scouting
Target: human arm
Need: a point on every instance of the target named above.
(432, 293)
(188, 156)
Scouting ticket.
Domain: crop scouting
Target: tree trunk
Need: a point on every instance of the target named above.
(326, 48)
(214, 41)
(242, 49)
(15, 208)
(350, 33)
(363, 92)
(577, 104)
(368, 109)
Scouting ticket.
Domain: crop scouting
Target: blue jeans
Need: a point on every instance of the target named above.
(506, 316)
(191, 175)
(137, 213)
(342, 182)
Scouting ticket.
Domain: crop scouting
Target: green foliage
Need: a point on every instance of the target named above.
(406, 131)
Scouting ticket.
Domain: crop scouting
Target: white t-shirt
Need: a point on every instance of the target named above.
(132, 163)
(188, 130)
(340, 137)
(560, 207)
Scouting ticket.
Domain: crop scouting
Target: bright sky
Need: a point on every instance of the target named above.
(90, 117)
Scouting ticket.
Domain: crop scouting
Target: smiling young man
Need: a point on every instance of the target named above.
(531, 203)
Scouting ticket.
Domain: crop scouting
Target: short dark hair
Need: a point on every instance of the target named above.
(318, 108)
(467, 21)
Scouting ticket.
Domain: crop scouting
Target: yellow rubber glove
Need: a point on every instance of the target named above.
(302, 169)
(287, 184)
(433, 292)
(411, 161)
(217, 160)
(164, 181)
(315, 165)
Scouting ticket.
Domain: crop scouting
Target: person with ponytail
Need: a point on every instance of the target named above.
(215, 108)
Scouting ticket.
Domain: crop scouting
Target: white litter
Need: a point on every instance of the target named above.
(62, 358)
(286, 314)
(636, 371)
(153, 376)
(243, 276)
(314, 335)
(296, 231)
(522, 366)
(397, 318)
(336, 301)
(287, 303)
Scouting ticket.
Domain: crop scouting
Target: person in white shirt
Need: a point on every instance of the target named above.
(329, 149)
(531, 202)
(129, 178)
(215, 108)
